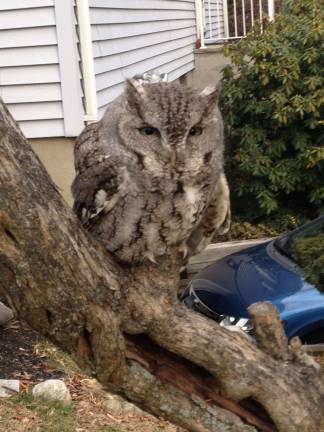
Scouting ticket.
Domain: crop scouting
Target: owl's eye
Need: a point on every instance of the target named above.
(149, 130)
(195, 131)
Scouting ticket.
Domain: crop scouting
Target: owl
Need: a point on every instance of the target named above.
(149, 174)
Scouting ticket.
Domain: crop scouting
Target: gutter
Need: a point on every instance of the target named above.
(87, 62)
(200, 23)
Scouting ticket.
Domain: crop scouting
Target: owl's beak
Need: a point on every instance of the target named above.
(173, 158)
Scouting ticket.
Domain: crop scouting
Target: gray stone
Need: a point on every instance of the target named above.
(114, 405)
(6, 314)
(9, 387)
(117, 406)
(53, 389)
(129, 408)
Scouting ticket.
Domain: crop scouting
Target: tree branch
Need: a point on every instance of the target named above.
(270, 334)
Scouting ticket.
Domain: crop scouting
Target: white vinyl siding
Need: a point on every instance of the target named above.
(40, 78)
(23, 4)
(214, 19)
(31, 68)
(135, 36)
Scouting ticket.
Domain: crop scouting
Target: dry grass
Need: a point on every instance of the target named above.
(88, 413)
(23, 413)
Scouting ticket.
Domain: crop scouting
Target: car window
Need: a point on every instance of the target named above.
(306, 247)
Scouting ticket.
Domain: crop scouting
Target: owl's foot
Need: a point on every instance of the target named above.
(184, 250)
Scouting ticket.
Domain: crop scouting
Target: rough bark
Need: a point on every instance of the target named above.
(270, 335)
(126, 326)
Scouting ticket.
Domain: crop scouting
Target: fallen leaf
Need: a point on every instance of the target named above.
(25, 420)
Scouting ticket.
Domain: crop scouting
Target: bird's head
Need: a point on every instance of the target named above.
(172, 128)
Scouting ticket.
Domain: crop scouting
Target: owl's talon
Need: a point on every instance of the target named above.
(150, 257)
(184, 250)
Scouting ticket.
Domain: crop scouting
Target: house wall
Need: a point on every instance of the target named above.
(37, 48)
(134, 36)
(40, 77)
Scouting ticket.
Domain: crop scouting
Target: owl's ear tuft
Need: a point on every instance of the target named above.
(135, 93)
(210, 95)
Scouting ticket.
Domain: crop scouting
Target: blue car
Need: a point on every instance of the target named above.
(268, 271)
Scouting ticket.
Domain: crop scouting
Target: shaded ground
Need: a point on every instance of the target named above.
(19, 358)
(26, 356)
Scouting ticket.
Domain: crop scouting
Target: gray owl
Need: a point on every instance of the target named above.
(149, 174)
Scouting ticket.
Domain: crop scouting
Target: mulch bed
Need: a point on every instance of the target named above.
(19, 358)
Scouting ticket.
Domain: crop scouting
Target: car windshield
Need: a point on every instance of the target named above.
(305, 245)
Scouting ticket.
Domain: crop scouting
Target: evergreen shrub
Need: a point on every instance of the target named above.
(273, 105)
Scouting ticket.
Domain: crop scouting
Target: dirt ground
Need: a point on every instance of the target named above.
(26, 356)
(19, 358)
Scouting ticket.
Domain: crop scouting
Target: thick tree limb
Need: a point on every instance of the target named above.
(67, 287)
(188, 378)
(186, 410)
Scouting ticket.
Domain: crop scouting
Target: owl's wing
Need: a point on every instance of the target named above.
(96, 191)
(87, 152)
(100, 180)
(216, 220)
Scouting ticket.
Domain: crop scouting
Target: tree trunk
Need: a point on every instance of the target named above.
(126, 326)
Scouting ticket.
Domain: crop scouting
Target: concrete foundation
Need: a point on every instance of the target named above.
(57, 156)
(209, 63)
